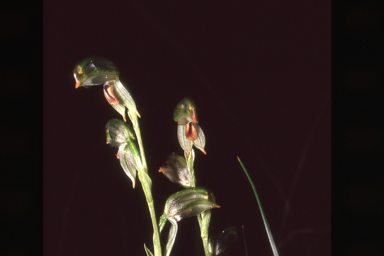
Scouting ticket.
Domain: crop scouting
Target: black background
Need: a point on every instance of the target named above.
(260, 75)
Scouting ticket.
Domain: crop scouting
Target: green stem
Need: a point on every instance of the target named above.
(143, 177)
(204, 218)
(269, 233)
(146, 183)
(135, 123)
(203, 226)
(190, 158)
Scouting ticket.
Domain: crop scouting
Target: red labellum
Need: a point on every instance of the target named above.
(109, 95)
(190, 131)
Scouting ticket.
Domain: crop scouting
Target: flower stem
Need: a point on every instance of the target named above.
(204, 218)
(146, 184)
(190, 158)
(143, 177)
(135, 123)
(203, 222)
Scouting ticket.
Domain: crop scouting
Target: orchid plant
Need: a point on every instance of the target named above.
(191, 200)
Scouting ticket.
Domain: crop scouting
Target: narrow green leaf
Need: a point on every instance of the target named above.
(269, 233)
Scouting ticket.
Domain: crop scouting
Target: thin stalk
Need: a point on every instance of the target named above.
(190, 158)
(135, 123)
(148, 197)
(146, 184)
(203, 230)
(269, 233)
(204, 217)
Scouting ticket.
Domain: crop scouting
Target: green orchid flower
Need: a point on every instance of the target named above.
(183, 204)
(95, 71)
(176, 170)
(120, 135)
(189, 133)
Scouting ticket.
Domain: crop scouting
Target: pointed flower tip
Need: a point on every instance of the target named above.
(238, 158)
(202, 150)
(216, 206)
(137, 113)
(161, 169)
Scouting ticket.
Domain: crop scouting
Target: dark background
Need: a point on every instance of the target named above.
(260, 75)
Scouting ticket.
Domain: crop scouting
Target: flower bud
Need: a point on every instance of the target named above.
(176, 170)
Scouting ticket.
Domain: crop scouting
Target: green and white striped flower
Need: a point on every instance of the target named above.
(95, 71)
(189, 133)
(120, 135)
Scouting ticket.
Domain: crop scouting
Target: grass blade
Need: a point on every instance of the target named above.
(269, 233)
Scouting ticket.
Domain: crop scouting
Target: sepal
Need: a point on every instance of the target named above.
(125, 98)
(199, 142)
(185, 109)
(94, 71)
(130, 160)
